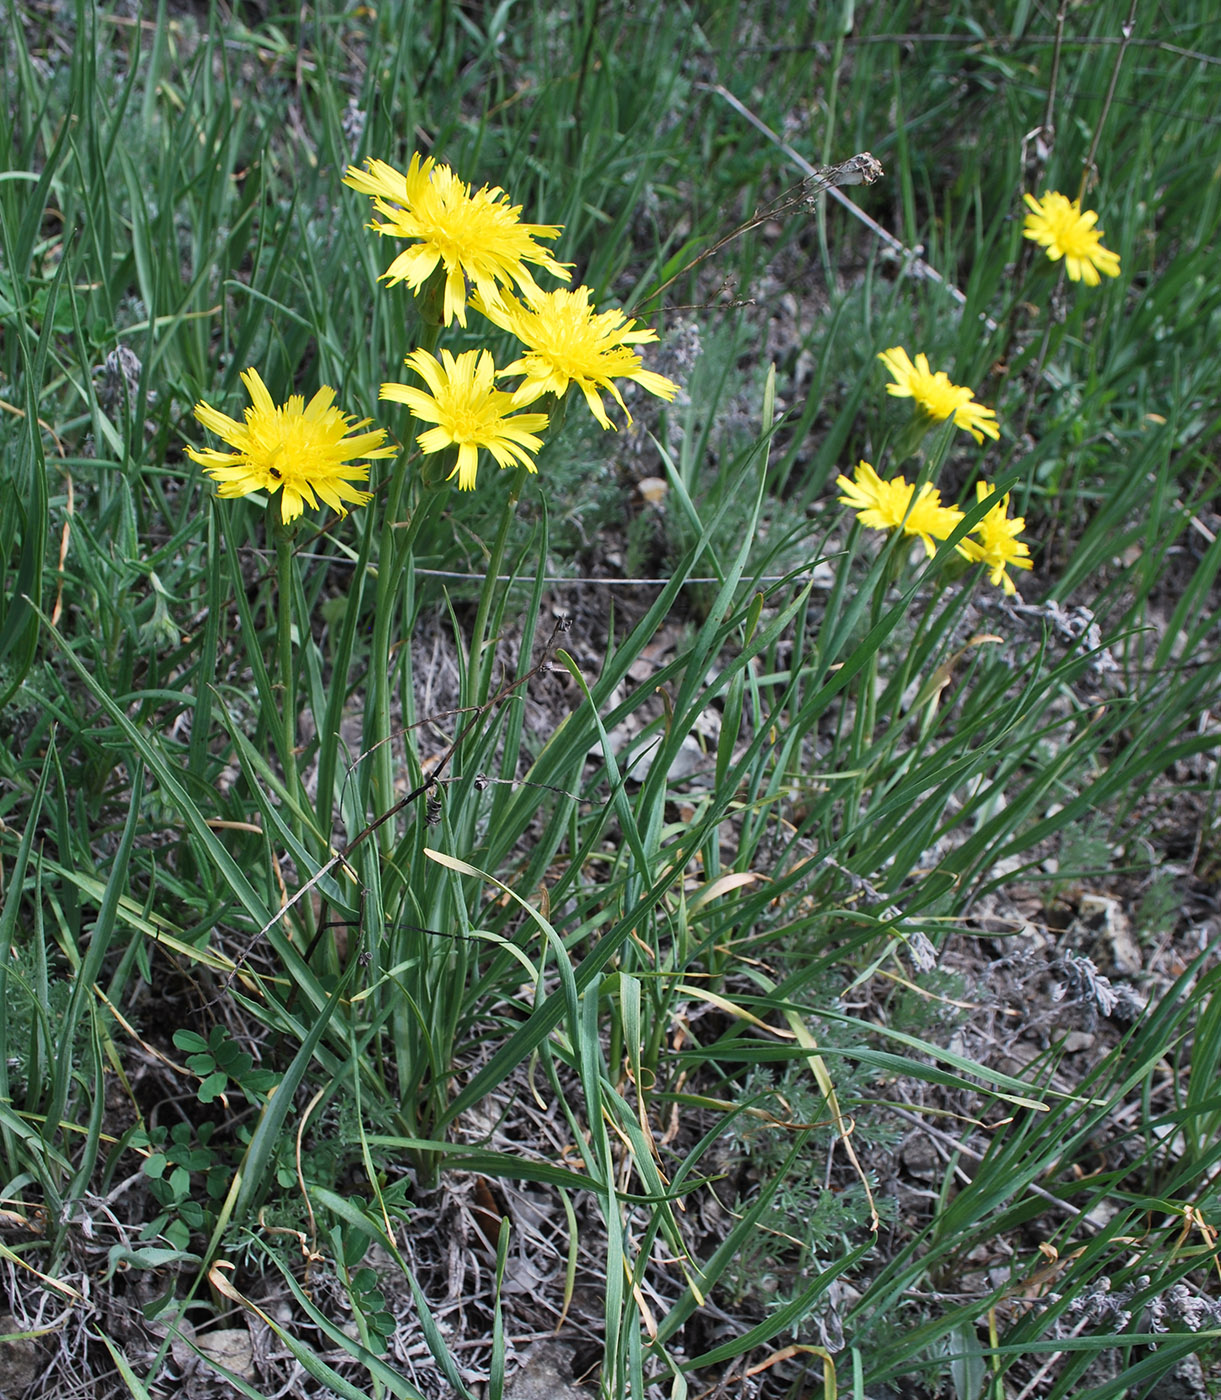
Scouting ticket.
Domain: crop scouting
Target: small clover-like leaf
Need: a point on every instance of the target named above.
(191, 1214)
(178, 1234)
(188, 1040)
(213, 1087)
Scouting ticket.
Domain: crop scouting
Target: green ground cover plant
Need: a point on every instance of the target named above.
(608, 660)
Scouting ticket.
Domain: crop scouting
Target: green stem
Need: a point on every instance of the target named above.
(284, 658)
(481, 667)
(285, 591)
(393, 558)
(377, 736)
(867, 698)
(927, 614)
(428, 337)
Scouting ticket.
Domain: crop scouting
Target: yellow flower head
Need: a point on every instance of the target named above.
(997, 546)
(477, 236)
(469, 411)
(568, 342)
(1057, 224)
(935, 396)
(888, 505)
(301, 450)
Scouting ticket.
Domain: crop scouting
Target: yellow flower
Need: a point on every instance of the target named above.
(935, 396)
(998, 546)
(1057, 224)
(568, 342)
(477, 236)
(888, 505)
(469, 411)
(301, 450)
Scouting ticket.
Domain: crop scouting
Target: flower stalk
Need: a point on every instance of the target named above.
(286, 678)
(482, 665)
(394, 555)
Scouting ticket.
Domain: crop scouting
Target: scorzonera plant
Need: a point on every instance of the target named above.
(469, 259)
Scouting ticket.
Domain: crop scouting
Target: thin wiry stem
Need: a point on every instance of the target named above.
(1125, 39)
